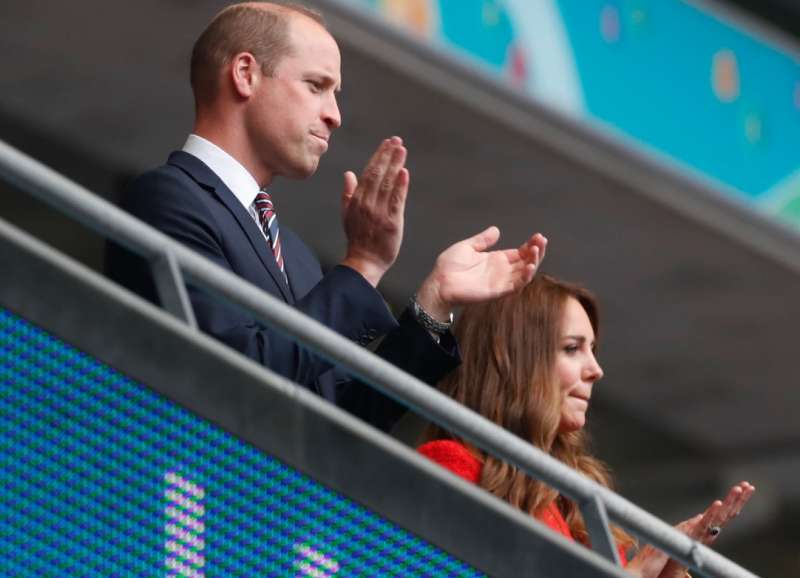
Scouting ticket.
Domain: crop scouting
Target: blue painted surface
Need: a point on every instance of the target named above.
(655, 84)
(646, 73)
(479, 28)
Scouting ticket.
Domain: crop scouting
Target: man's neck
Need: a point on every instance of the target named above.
(234, 144)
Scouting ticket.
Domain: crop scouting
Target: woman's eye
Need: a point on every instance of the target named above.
(571, 349)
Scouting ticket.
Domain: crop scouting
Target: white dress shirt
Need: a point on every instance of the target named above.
(237, 178)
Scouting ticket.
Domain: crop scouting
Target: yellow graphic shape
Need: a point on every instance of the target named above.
(415, 15)
(725, 76)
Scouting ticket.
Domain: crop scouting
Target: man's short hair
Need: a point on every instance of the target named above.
(261, 28)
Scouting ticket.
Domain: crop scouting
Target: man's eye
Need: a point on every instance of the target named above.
(314, 85)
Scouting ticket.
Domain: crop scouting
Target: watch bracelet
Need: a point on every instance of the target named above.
(426, 320)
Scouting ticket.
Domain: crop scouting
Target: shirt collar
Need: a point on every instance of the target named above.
(237, 178)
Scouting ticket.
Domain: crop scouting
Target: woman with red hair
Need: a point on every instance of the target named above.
(530, 366)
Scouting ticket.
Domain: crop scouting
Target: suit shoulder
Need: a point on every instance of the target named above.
(158, 185)
(170, 200)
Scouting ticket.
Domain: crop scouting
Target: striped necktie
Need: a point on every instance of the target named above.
(269, 222)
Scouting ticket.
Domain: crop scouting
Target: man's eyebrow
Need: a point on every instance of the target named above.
(326, 79)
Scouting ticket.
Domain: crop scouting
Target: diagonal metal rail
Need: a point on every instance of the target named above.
(171, 261)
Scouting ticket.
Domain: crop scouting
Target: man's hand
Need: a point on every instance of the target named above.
(468, 272)
(372, 211)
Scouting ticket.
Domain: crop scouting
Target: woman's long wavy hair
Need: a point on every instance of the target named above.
(509, 348)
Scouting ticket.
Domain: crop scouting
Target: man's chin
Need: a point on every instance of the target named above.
(300, 172)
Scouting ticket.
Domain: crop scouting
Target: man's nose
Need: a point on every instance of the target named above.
(331, 114)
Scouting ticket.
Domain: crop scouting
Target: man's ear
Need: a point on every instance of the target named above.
(245, 74)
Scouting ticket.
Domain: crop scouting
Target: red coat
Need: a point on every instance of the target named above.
(455, 457)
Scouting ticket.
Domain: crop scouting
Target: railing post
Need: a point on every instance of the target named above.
(171, 287)
(596, 519)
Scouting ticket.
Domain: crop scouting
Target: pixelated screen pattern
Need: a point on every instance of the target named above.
(103, 477)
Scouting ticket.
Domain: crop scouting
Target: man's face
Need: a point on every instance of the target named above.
(293, 113)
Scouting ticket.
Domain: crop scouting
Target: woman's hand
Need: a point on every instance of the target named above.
(705, 528)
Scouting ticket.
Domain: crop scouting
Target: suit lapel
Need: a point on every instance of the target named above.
(207, 179)
(300, 273)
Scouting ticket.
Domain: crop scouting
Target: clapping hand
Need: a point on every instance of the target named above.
(468, 272)
(373, 208)
(705, 528)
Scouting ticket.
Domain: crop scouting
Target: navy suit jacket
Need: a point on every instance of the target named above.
(187, 201)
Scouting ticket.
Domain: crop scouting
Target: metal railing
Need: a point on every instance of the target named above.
(171, 261)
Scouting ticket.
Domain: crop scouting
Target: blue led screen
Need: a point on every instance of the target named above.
(103, 477)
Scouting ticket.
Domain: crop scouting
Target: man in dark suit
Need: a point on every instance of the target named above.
(265, 79)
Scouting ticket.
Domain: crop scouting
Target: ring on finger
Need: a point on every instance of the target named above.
(714, 531)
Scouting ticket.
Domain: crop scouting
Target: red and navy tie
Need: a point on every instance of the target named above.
(269, 222)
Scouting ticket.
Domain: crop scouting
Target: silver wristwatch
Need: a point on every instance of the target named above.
(424, 318)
